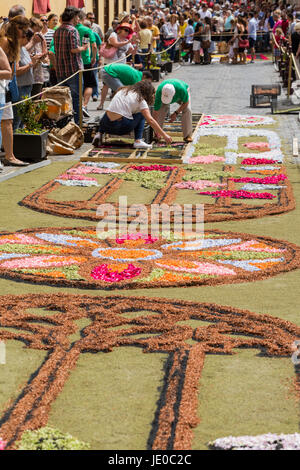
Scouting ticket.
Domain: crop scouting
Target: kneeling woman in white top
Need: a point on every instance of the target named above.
(128, 111)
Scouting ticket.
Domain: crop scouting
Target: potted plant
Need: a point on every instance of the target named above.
(168, 64)
(30, 142)
(154, 68)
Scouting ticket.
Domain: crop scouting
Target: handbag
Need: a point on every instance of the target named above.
(107, 51)
(244, 43)
(169, 42)
(13, 87)
(206, 44)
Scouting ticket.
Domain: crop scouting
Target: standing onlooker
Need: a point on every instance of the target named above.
(252, 31)
(155, 32)
(145, 38)
(206, 40)
(188, 39)
(5, 74)
(37, 47)
(53, 21)
(10, 36)
(95, 27)
(24, 74)
(89, 57)
(199, 27)
(119, 41)
(95, 93)
(46, 31)
(68, 54)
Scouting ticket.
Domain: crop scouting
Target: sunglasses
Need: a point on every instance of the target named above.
(44, 21)
(125, 29)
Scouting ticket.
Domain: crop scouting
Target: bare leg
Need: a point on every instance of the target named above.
(87, 95)
(104, 92)
(7, 139)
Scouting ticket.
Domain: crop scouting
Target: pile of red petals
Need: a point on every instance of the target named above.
(136, 236)
(238, 194)
(153, 168)
(267, 180)
(103, 273)
(258, 161)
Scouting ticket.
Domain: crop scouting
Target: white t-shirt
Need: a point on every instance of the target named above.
(126, 104)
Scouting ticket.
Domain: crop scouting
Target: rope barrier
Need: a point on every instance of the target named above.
(85, 70)
(102, 66)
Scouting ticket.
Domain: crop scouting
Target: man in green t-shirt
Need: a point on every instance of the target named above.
(174, 91)
(117, 75)
(88, 59)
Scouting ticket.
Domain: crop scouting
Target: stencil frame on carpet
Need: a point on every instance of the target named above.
(176, 414)
(75, 257)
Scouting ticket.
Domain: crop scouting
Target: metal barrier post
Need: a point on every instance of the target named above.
(290, 75)
(80, 99)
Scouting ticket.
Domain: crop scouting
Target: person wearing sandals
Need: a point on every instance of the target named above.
(10, 41)
(119, 40)
(127, 112)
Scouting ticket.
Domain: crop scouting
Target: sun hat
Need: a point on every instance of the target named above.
(123, 15)
(125, 25)
(167, 93)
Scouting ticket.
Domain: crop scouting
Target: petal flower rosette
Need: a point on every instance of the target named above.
(78, 258)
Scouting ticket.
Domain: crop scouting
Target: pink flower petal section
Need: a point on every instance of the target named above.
(206, 159)
(198, 185)
(20, 239)
(201, 268)
(42, 262)
(251, 245)
(257, 145)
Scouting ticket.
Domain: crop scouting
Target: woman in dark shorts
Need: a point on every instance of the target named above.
(243, 39)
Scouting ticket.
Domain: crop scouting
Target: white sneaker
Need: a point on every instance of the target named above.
(140, 144)
(85, 112)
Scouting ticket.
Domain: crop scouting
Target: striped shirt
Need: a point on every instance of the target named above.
(48, 37)
(66, 38)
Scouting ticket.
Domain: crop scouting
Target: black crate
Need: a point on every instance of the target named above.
(261, 101)
(266, 90)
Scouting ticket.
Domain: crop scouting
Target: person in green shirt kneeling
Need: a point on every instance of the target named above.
(116, 75)
(174, 91)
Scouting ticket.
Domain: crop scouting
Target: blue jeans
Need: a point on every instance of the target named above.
(123, 126)
(144, 58)
(73, 84)
(23, 92)
(96, 74)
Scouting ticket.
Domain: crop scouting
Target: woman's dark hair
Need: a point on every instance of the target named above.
(207, 20)
(10, 32)
(53, 15)
(144, 89)
(143, 24)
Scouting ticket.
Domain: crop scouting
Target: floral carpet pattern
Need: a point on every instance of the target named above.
(76, 257)
(176, 413)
